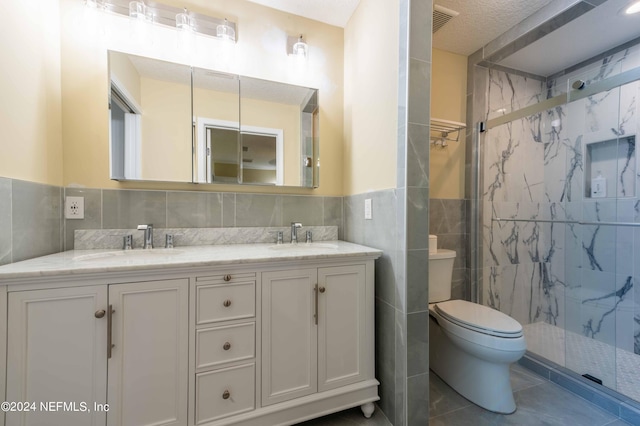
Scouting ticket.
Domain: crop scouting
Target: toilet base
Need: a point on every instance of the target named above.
(484, 383)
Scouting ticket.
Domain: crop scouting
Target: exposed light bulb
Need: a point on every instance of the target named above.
(184, 21)
(225, 31)
(138, 10)
(300, 48)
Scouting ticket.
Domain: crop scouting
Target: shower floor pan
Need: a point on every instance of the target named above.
(586, 356)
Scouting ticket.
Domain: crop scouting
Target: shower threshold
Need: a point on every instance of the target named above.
(584, 355)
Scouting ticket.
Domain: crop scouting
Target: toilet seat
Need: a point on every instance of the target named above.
(479, 318)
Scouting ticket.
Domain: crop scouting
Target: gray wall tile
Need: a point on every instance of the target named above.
(417, 218)
(447, 216)
(418, 343)
(258, 210)
(385, 356)
(229, 210)
(126, 209)
(305, 209)
(5, 221)
(418, 269)
(333, 214)
(92, 213)
(401, 368)
(354, 218)
(418, 399)
(418, 155)
(419, 91)
(36, 220)
(194, 209)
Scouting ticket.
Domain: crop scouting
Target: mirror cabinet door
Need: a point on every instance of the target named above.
(149, 106)
(216, 117)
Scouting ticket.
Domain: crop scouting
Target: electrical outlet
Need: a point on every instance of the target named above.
(74, 208)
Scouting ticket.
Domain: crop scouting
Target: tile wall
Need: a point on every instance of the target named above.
(32, 220)
(448, 220)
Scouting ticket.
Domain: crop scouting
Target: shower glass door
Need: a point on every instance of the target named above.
(561, 217)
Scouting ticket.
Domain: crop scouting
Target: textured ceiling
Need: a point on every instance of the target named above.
(480, 21)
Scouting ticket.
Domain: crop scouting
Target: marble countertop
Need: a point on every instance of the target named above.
(75, 262)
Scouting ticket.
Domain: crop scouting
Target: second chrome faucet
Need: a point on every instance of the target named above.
(294, 231)
(148, 235)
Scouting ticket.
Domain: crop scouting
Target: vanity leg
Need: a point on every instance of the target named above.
(367, 409)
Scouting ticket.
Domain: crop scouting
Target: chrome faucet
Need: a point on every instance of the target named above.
(148, 235)
(294, 232)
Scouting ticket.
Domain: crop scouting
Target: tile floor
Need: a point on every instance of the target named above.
(540, 402)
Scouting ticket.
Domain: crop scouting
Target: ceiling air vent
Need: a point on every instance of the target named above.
(442, 15)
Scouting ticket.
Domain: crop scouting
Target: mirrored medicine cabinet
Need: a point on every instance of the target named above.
(175, 123)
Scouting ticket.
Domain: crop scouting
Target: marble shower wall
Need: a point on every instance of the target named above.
(581, 277)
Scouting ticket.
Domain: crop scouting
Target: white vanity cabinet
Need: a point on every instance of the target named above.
(58, 352)
(276, 339)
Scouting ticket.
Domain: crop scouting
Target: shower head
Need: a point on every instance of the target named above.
(578, 84)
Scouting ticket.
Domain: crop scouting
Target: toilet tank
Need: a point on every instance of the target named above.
(440, 272)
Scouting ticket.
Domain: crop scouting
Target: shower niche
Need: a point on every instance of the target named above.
(610, 168)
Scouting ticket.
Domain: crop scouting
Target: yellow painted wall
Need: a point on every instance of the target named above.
(166, 148)
(30, 109)
(448, 102)
(260, 52)
(371, 97)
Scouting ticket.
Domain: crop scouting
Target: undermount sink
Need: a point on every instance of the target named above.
(128, 254)
(304, 246)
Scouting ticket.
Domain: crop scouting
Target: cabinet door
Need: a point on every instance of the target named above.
(148, 370)
(341, 326)
(57, 352)
(289, 335)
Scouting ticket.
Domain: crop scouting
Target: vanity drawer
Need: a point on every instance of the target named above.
(223, 393)
(218, 345)
(223, 302)
(229, 278)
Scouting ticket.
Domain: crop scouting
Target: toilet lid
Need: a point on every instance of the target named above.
(479, 318)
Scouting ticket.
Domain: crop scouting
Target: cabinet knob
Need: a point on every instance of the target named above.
(101, 313)
(226, 346)
(322, 289)
(227, 303)
(226, 394)
(227, 278)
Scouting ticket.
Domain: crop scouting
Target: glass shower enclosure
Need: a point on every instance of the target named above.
(559, 214)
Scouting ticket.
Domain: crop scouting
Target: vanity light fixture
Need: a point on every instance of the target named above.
(300, 48)
(158, 13)
(138, 10)
(184, 22)
(225, 32)
(632, 8)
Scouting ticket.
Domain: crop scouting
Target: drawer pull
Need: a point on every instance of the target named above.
(226, 394)
(226, 346)
(227, 303)
(227, 278)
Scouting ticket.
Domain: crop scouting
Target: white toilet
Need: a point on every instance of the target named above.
(471, 346)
